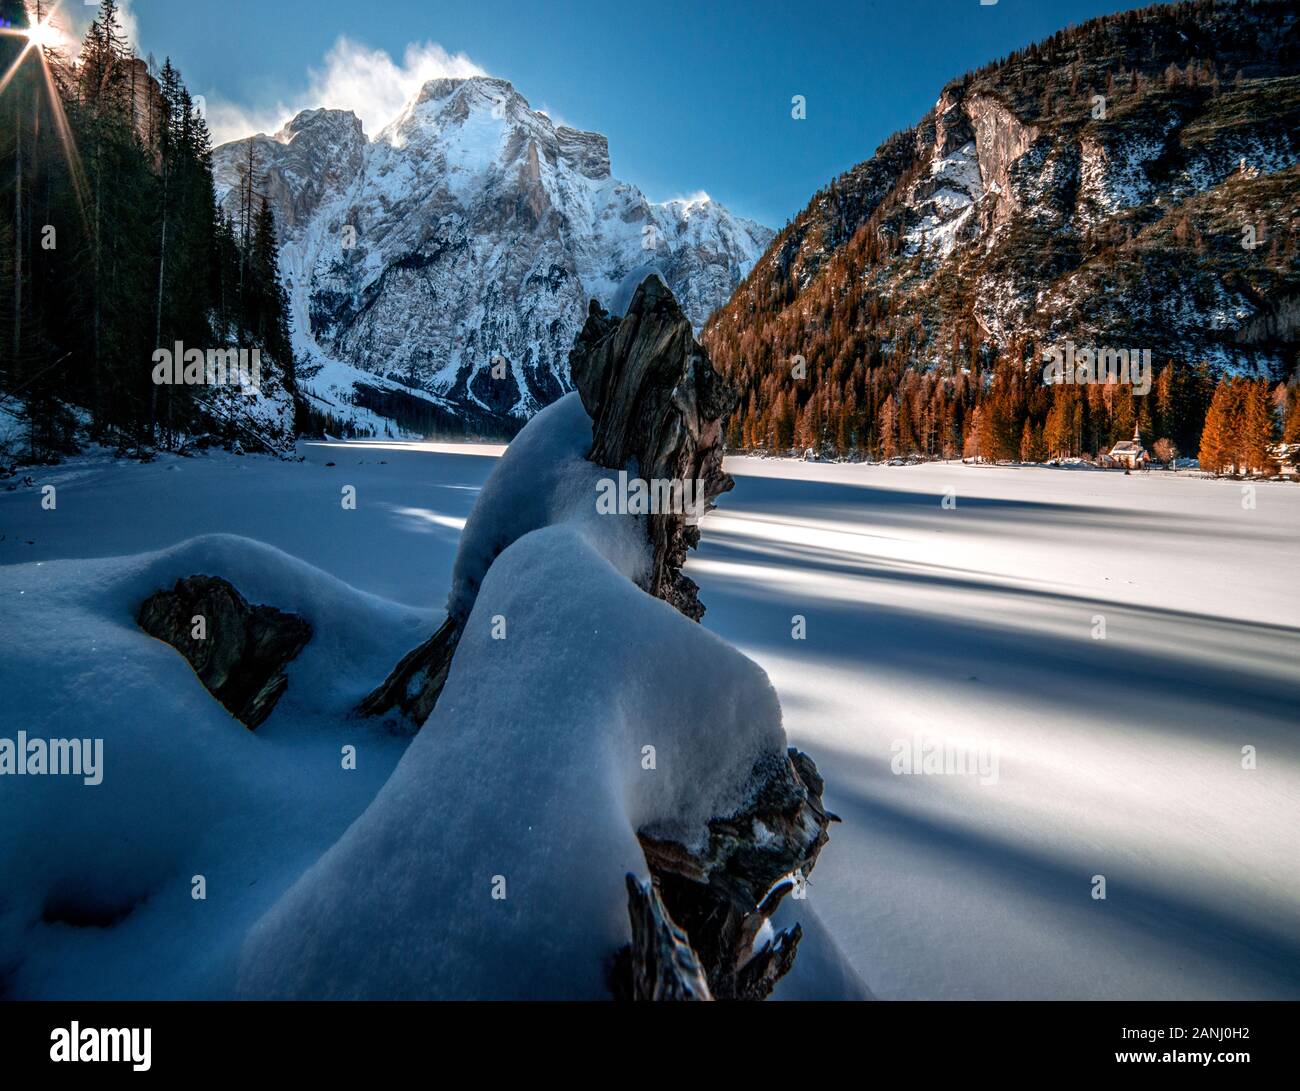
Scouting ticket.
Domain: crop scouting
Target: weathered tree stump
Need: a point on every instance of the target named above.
(243, 650)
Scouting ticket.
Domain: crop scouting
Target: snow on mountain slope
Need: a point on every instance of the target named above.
(455, 254)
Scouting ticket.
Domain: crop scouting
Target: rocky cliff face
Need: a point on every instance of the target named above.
(1095, 188)
(453, 257)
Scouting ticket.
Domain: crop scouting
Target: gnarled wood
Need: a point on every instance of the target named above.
(656, 406)
(723, 894)
(659, 964)
(244, 650)
(414, 684)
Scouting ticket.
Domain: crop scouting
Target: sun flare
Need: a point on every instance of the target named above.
(45, 35)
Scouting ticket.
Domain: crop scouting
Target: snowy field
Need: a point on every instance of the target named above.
(974, 624)
(1118, 757)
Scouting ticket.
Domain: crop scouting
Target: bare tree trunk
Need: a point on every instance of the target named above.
(157, 324)
(18, 232)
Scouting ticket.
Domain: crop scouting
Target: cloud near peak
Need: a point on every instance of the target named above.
(353, 76)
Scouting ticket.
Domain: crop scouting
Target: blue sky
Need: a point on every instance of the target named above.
(692, 95)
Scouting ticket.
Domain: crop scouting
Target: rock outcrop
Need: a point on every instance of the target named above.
(1085, 189)
(238, 651)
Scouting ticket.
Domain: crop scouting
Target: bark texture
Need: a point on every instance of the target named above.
(722, 895)
(657, 407)
(241, 657)
(659, 964)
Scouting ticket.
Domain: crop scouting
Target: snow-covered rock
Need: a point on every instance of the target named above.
(98, 891)
(454, 255)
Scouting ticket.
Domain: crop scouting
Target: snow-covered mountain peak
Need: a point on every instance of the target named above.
(471, 230)
(487, 117)
(445, 101)
(320, 122)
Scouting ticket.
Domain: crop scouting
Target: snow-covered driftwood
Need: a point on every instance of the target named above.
(555, 668)
(414, 684)
(238, 651)
(724, 892)
(657, 404)
(659, 963)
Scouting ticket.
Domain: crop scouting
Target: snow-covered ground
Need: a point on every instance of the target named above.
(972, 623)
(1119, 757)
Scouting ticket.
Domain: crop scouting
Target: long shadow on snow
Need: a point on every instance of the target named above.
(1254, 954)
(843, 562)
(1121, 686)
(812, 499)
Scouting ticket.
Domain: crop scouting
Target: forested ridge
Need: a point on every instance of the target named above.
(1104, 187)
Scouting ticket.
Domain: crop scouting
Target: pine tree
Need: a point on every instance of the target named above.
(735, 430)
(115, 281)
(1257, 425)
(1146, 428)
(16, 137)
(970, 437)
(887, 428)
(8, 359)
(1214, 453)
(1122, 413)
(784, 413)
(1291, 425)
(1058, 433)
(250, 195)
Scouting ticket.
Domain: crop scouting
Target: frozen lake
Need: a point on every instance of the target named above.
(1121, 757)
(1109, 643)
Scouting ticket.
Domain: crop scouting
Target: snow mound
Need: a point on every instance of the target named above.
(492, 863)
(96, 881)
(543, 478)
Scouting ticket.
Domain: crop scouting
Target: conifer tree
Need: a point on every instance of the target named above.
(1058, 433)
(16, 139)
(1027, 442)
(887, 428)
(143, 258)
(1257, 426)
(1291, 413)
(1226, 438)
